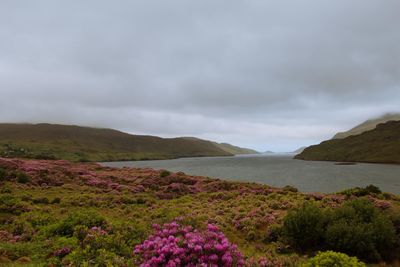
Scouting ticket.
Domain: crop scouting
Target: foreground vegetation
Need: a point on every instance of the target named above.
(58, 213)
(380, 145)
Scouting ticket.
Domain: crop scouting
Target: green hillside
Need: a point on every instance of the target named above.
(368, 125)
(78, 143)
(235, 149)
(380, 145)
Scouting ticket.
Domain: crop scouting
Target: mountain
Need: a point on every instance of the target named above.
(235, 150)
(53, 141)
(380, 145)
(268, 152)
(299, 150)
(368, 125)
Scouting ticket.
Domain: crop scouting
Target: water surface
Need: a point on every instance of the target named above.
(281, 170)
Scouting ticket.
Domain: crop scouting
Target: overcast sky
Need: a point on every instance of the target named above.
(270, 75)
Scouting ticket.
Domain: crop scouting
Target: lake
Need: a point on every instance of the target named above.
(281, 169)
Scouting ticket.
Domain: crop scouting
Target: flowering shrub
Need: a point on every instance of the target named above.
(177, 245)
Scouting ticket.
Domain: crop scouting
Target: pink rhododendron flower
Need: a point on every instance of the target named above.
(177, 245)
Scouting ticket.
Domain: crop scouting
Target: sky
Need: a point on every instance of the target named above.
(269, 75)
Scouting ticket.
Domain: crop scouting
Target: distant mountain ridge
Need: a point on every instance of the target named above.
(380, 145)
(78, 143)
(368, 125)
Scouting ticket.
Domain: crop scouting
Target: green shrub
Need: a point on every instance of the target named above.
(359, 192)
(56, 200)
(41, 200)
(11, 204)
(38, 219)
(88, 219)
(359, 229)
(164, 173)
(289, 188)
(333, 259)
(356, 228)
(3, 174)
(304, 228)
(23, 178)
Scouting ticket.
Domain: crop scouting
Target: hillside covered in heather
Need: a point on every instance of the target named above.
(380, 145)
(76, 143)
(59, 213)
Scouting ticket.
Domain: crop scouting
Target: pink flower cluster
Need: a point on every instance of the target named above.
(176, 245)
(98, 231)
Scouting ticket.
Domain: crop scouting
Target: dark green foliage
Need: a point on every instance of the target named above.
(23, 178)
(304, 228)
(165, 173)
(290, 188)
(88, 219)
(56, 200)
(41, 200)
(372, 189)
(111, 249)
(11, 204)
(356, 228)
(3, 174)
(359, 229)
(273, 234)
(359, 192)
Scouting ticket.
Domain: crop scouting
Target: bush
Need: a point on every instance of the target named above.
(88, 219)
(289, 188)
(176, 245)
(304, 228)
(359, 229)
(356, 228)
(23, 178)
(56, 200)
(360, 192)
(41, 200)
(165, 173)
(331, 259)
(3, 174)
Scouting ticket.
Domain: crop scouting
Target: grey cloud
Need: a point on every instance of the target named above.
(203, 68)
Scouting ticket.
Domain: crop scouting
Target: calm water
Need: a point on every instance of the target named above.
(281, 170)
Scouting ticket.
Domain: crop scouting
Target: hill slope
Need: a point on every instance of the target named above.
(93, 144)
(235, 149)
(380, 145)
(368, 125)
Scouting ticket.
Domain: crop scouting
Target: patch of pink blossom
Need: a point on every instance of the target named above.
(176, 245)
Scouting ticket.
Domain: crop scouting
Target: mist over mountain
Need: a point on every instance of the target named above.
(368, 125)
